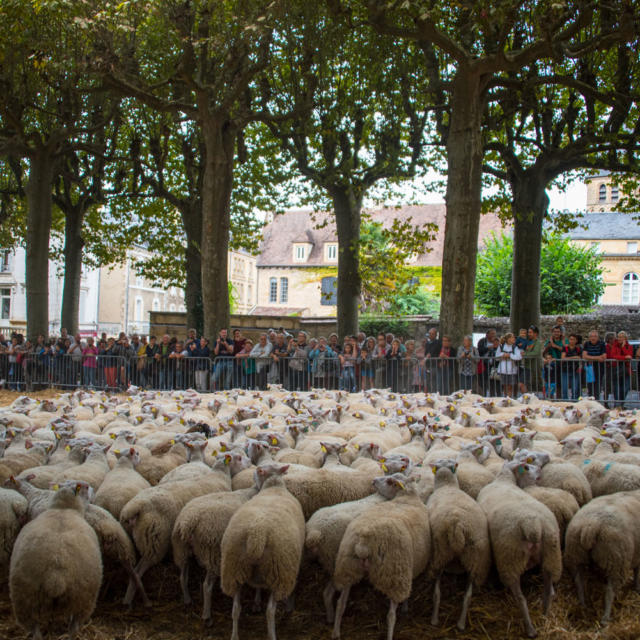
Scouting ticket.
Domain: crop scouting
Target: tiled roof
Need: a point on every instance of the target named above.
(276, 248)
(607, 225)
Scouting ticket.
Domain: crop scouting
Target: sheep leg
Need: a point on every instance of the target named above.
(139, 586)
(462, 620)
(271, 617)
(37, 634)
(184, 583)
(73, 628)
(341, 606)
(256, 607)
(141, 568)
(579, 582)
(548, 592)
(207, 592)
(436, 602)
(524, 609)
(327, 596)
(608, 602)
(391, 619)
(235, 615)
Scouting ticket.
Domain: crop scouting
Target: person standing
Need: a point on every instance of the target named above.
(532, 359)
(508, 357)
(571, 369)
(621, 353)
(467, 363)
(594, 352)
(223, 354)
(487, 348)
(446, 359)
(432, 350)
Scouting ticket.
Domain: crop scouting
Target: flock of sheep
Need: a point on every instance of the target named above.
(375, 485)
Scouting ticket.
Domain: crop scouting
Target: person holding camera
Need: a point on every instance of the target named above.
(223, 354)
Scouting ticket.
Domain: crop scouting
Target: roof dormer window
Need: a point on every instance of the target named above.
(301, 251)
(331, 251)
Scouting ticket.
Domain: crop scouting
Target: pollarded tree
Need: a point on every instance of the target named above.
(550, 120)
(570, 276)
(468, 48)
(349, 109)
(44, 89)
(196, 59)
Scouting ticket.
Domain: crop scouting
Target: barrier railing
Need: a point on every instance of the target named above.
(614, 382)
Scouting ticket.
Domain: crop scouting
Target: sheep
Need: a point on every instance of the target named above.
(122, 483)
(198, 532)
(564, 475)
(115, 544)
(93, 470)
(56, 565)
(13, 513)
(326, 527)
(154, 467)
(262, 545)
(610, 477)
(471, 476)
(38, 500)
(151, 515)
(459, 531)
(605, 532)
(389, 543)
(195, 466)
(523, 533)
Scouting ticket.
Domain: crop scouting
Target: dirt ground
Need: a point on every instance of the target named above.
(493, 613)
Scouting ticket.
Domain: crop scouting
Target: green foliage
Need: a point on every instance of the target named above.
(570, 276)
(389, 282)
(418, 303)
(372, 325)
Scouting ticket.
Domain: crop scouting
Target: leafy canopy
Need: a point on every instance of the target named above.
(570, 276)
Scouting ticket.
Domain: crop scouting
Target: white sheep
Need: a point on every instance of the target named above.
(523, 533)
(459, 532)
(262, 545)
(56, 565)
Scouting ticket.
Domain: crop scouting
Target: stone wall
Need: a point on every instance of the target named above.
(173, 323)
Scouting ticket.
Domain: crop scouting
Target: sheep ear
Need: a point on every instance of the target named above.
(282, 470)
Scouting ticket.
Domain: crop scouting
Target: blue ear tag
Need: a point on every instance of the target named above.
(607, 466)
(587, 461)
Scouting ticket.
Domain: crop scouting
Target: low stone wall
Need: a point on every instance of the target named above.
(173, 323)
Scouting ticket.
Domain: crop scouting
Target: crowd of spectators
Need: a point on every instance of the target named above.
(562, 366)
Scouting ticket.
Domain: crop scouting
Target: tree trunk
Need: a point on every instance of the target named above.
(38, 190)
(73, 246)
(217, 184)
(347, 206)
(464, 199)
(192, 221)
(529, 206)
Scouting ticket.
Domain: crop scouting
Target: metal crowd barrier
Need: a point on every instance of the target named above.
(612, 382)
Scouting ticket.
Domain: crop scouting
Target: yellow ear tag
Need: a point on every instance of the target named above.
(323, 449)
(385, 468)
(356, 447)
(214, 452)
(603, 433)
(401, 485)
(172, 441)
(181, 420)
(55, 487)
(598, 439)
(357, 415)
(67, 448)
(274, 442)
(227, 459)
(530, 460)
(509, 435)
(112, 436)
(116, 451)
(433, 470)
(409, 419)
(223, 448)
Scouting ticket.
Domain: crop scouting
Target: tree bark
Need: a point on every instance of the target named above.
(347, 207)
(73, 246)
(217, 183)
(529, 206)
(39, 189)
(192, 221)
(464, 200)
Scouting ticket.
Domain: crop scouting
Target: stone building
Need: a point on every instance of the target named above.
(298, 257)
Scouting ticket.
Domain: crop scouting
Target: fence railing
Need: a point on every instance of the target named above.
(610, 381)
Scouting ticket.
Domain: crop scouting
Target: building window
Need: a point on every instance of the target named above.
(172, 307)
(615, 193)
(273, 290)
(329, 291)
(602, 193)
(5, 303)
(139, 309)
(156, 304)
(631, 288)
(332, 252)
(5, 261)
(632, 247)
(284, 290)
(182, 308)
(139, 282)
(299, 253)
(249, 294)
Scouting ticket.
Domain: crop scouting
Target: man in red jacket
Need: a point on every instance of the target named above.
(621, 351)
